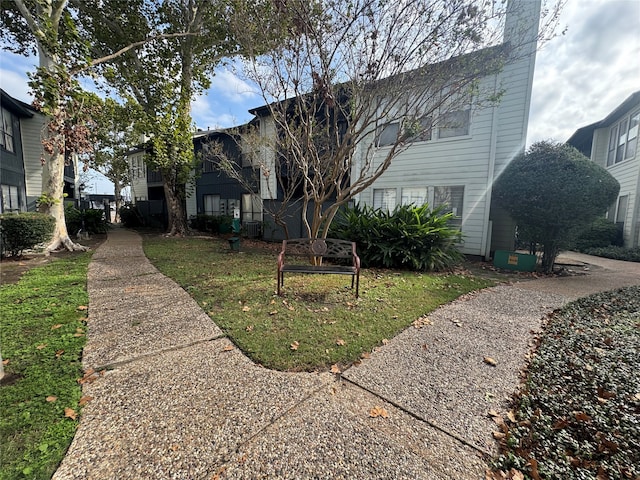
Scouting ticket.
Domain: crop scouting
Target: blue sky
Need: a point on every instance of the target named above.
(579, 78)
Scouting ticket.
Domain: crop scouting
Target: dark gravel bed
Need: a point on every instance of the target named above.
(578, 414)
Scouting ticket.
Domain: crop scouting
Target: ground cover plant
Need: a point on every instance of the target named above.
(42, 333)
(577, 416)
(616, 252)
(317, 323)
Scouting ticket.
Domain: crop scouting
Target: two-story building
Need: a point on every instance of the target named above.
(613, 144)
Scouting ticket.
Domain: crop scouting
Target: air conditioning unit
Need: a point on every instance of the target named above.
(253, 229)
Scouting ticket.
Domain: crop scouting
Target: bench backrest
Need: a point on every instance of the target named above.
(319, 247)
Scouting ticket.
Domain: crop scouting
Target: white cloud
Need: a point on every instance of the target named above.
(232, 88)
(582, 76)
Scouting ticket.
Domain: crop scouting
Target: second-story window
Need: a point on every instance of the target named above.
(6, 135)
(623, 139)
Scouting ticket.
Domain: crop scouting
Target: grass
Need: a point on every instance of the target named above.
(42, 325)
(577, 417)
(318, 322)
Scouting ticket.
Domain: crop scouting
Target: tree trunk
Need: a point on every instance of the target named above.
(53, 204)
(550, 252)
(117, 193)
(176, 212)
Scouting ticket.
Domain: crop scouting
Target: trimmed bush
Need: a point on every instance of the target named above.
(212, 223)
(616, 253)
(601, 233)
(415, 238)
(94, 221)
(22, 231)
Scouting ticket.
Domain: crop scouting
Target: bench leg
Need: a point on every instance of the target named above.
(357, 285)
(280, 282)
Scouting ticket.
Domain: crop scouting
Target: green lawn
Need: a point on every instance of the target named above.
(318, 322)
(42, 333)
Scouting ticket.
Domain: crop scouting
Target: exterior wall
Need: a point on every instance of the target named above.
(138, 174)
(497, 135)
(627, 172)
(32, 151)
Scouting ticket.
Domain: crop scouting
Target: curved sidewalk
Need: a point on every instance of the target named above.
(173, 399)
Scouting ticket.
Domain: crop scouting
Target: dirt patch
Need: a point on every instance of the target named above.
(12, 269)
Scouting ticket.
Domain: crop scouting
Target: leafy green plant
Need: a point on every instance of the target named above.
(21, 231)
(577, 415)
(410, 237)
(42, 328)
(616, 253)
(93, 219)
(600, 233)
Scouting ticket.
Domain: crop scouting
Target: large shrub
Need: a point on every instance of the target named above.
(94, 220)
(22, 231)
(554, 192)
(600, 233)
(410, 237)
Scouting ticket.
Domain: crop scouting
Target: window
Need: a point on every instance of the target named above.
(454, 124)
(632, 136)
(384, 199)
(211, 204)
(137, 167)
(453, 199)
(611, 155)
(6, 136)
(388, 134)
(414, 196)
(251, 207)
(623, 139)
(621, 212)
(10, 201)
(423, 128)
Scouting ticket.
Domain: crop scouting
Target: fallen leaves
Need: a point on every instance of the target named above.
(83, 308)
(340, 342)
(335, 368)
(489, 361)
(376, 412)
(41, 346)
(423, 321)
(70, 413)
(51, 398)
(227, 348)
(84, 400)
(294, 346)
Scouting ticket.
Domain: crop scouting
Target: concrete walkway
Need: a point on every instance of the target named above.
(172, 399)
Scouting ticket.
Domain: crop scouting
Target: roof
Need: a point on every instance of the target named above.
(19, 108)
(582, 138)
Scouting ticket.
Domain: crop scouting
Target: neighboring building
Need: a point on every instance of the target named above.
(457, 165)
(20, 157)
(613, 144)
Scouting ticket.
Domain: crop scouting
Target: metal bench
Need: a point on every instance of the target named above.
(316, 251)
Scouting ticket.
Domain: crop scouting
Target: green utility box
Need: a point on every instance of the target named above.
(522, 262)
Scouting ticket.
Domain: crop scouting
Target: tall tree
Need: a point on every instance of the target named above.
(354, 76)
(51, 29)
(163, 77)
(554, 192)
(115, 137)
(47, 27)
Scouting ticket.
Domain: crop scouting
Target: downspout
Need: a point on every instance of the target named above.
(485, 246)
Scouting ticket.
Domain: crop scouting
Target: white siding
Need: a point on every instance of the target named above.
(31, 129)
(627, 173)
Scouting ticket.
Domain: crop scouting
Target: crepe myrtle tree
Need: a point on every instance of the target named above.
(350, 73)
(553, 193)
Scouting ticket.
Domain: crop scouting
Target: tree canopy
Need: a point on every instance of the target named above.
(553, 192)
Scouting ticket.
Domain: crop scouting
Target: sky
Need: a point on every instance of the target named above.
(579, 78)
